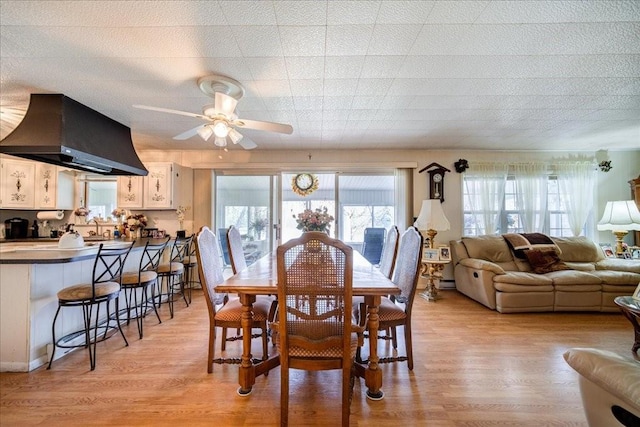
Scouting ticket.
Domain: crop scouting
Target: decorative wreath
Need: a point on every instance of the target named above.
(304, 184)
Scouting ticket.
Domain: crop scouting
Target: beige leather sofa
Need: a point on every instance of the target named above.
(486, 270)
(609, 386)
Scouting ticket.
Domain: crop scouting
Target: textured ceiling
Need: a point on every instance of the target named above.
(508, 75)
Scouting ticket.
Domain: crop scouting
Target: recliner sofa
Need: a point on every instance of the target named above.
(486, 269)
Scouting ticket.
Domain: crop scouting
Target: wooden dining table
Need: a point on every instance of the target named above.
(261, 278)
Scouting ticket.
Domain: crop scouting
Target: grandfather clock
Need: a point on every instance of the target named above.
(436, 180)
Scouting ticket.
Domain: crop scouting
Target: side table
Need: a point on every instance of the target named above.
(630, 307)
(432, 269)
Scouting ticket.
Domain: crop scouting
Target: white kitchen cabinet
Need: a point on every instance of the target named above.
(130, 192)
(34, 185)
(17, 189)
(167, 186)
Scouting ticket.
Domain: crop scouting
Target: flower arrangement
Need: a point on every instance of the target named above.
(259, 225)
(81, 211)
(118, 212)
(318, 220)
(136, 220)
(181, 212)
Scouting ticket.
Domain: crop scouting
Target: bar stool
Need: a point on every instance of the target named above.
(136, 284)
(171, 273)
(190, 263)
(105, 286)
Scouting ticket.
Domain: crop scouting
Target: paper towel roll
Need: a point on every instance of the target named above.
(50, 215)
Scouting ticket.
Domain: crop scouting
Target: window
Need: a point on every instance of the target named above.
(556, 221)
(101, 195)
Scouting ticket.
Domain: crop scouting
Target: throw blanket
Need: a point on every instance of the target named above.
(521, 242)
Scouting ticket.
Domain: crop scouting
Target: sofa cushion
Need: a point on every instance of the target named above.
(578, 249)
(617, 264)
(522, 278)
(612, 277)
(491, 248)
(572, 277)
(544, 261)
(581, 266)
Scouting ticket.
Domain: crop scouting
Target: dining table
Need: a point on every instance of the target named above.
(261, 278)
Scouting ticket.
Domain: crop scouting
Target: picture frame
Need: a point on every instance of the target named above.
(627, 255)
(444, 253)
(431, 254)
(607, 250)
(635, 254)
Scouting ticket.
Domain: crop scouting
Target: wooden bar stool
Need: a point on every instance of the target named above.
(104, 287)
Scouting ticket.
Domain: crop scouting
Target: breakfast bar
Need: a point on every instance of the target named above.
(31, 274)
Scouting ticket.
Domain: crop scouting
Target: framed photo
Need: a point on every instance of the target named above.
(607, 250)
(444, 253)
(627, 255)
(635, 253)
(431, 254)
(636, 294)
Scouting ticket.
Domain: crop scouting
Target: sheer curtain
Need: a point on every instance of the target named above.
(576, 181)
(531, 194)
(488, 180)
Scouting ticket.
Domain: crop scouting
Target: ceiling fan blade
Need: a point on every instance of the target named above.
(225, 104)
(167, 110)
(247, 143)
(259, 125)
(189, 133)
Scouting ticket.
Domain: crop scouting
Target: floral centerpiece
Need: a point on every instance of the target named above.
(81, 214)
(259, 225)
(314, 220)
(136, 221)
(118, 213)
(182, 212)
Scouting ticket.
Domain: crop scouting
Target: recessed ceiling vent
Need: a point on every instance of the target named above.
(58, 130)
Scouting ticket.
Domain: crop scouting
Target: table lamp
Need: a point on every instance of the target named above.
(620, 217)
(432, 219)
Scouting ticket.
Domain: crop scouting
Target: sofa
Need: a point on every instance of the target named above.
(609, 386)
(581, 278)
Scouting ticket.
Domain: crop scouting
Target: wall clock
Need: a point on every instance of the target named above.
(304, 184)
(436, 180)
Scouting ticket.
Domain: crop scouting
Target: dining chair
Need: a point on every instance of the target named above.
(105, 286)
(389, 252)
(135, 285)
(229, 315)
(314, 326)
(171, 273)
(372, 244)
(236, 251)
(395, 310)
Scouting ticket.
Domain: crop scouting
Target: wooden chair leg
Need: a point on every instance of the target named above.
(394, 337)
(409, 345)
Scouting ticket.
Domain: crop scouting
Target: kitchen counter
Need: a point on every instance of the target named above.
(31, 275)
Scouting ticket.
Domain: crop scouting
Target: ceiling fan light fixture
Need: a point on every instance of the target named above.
(205, 132)
(220, 142)
(220, 129)
(235, 136)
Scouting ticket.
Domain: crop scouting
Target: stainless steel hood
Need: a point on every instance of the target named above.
(56, 129)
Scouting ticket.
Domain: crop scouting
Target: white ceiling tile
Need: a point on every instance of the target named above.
(267, 68)
(337, 103)
(366, 102)
(303, 41)
(559, 11)
(307, 87)
(340, 87)
(456, 12)
(352, 12)
(343, 67)
(348, 40)
(240, 12)
(368, 87)
(308, 104)
(404, 12)
(279, 103)
(261, 41)
(300, 12)
(381, 66)
(207, 40)
(393, 39)
(305, 67)
(272, 88)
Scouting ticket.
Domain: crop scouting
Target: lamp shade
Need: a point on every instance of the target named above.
(432, 217)
(205, 132)
(621, 215)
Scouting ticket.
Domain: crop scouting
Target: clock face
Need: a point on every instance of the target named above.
(437, 177)
(304, 181)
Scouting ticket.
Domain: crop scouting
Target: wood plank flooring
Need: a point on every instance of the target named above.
(473, 367)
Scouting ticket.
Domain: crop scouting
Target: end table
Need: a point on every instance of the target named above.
(630, 307)
(432, 270)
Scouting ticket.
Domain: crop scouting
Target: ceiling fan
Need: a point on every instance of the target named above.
(221, 120)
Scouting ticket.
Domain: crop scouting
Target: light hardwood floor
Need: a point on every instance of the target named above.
(473, 367)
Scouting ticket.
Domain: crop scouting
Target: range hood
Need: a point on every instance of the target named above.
(58, 130)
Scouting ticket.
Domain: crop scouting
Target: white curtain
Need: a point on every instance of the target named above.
(576, 181)
(404, 198)
(488, 181)
(531, 194)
